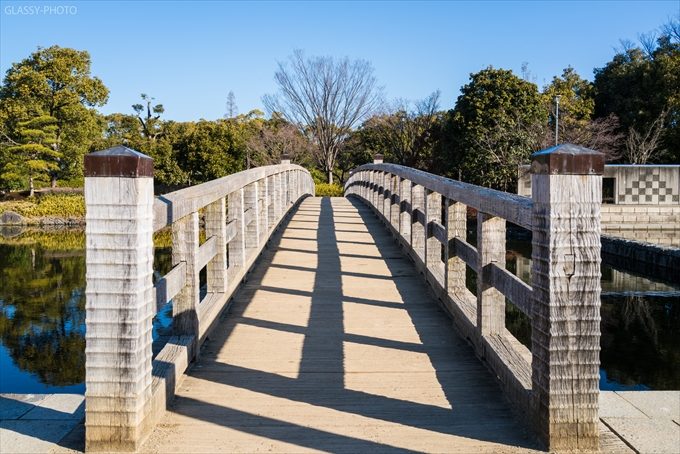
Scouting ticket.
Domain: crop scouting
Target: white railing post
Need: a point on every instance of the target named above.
(185, 249)
(395, 202)
(490, 249)
(216, 226)
(237, 246)
(418, 220)
(252, 209)
(433, 248)
(456, 226)
(404, 214)
(120, 298)
(565, 342)
(387, 196)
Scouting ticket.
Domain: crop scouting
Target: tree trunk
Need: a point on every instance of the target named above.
(53, 183)
(330, 177)
(31, 189)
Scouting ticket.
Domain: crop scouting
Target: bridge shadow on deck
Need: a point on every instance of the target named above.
(335, 344)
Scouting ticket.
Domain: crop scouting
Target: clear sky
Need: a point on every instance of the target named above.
(189, 55)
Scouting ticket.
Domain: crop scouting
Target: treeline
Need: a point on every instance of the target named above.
(631, 111)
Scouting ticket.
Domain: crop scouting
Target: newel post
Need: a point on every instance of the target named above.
(120, 298)
(565, 343)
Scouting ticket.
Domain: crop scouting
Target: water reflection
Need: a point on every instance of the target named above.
(42, 316)
(42, 311)
(640, 326)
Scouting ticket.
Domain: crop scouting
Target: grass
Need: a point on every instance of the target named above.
(52, 205)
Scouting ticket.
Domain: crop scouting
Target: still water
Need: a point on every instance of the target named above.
(42, 317)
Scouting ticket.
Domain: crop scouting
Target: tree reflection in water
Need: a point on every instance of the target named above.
(42, 311)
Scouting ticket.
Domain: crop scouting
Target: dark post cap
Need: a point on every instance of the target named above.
(567, 159)
(285, 157)
(378, 157)
(118, 161)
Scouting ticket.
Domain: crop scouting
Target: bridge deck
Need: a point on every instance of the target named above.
(335, 345)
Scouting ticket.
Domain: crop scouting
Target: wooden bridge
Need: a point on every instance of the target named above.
(349, 325)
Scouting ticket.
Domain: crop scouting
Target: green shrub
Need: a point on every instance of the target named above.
(330, 190)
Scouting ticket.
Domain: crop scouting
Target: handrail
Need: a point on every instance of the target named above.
(512, 207)
(126, 389)
(557, 382)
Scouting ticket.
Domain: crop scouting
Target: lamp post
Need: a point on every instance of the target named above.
(557, 118)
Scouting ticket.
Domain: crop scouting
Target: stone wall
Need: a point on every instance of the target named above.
(640, 202)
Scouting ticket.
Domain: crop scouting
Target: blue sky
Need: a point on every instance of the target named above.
(188, 55)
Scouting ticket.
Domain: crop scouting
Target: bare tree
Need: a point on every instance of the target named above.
(275, 139)
(405, 132)
(601, 134)
(325, 98)
(641, 145)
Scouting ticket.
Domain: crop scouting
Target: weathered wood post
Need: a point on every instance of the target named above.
(490, 249)
(395, 202)
(235, 214)
(404, 209)
(216, 226)
(433, 248)
(120, 298)
(565, 341)
(456, 223)
(418, 220)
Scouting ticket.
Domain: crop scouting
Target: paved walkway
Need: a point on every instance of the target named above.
(41, 423)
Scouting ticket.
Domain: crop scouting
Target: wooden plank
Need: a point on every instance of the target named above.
(169, 285)
(389, 376)
(512, 287)
(206, 252)
(464, 250)
(512, 207)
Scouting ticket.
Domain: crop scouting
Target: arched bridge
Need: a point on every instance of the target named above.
(341, 324)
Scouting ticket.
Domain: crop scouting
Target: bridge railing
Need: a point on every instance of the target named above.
(556, 382)
(126, 389)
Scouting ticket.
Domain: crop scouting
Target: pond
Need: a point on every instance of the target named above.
(42, 310)
(42, 317)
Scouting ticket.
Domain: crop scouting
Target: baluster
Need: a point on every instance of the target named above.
(418, 220)
(387, 194)
(395, 203)
(237, 246)
(433, 248)
(120, 298)
(264, 209)
(216, 226)
(456, 223)
(185, 249)
(252, 208)
(404, 209)
(566, 187)
(490, 249)
(271, 202)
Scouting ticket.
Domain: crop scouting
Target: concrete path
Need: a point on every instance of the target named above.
(41, 423)
(648, 421)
